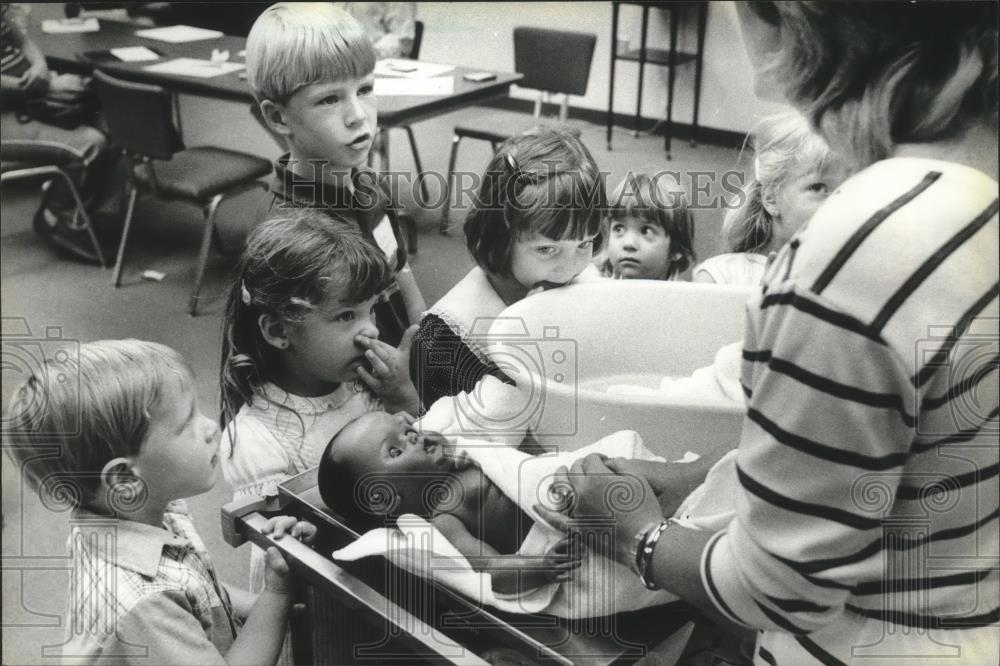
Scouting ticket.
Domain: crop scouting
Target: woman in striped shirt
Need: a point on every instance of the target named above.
(867, 504)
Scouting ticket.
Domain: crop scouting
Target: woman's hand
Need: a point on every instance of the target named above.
(606, 508)
(36, 78)
(671, 482)
(389, 377)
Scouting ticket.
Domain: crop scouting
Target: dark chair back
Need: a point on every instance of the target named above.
(418, 38)
(140, 116)
(554, 60)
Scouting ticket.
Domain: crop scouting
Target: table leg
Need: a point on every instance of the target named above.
(672, 76)
(702, 23)
(611, 78)
(642, 68)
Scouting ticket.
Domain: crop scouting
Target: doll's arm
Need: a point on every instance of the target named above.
(510, 574)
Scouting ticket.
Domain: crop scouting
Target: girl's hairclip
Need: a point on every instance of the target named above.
(512, 164)
(245, 293)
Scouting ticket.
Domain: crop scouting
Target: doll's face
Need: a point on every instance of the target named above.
(381, 448)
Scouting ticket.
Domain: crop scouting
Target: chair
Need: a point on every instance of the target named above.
(23, 159)
(551, 61)
(140, 119)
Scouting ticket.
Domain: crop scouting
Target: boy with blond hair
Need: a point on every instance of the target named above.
(311, 69)
(116, 431)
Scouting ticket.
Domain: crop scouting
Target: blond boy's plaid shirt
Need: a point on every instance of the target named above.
(144, 594)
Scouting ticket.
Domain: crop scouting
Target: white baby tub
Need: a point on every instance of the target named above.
(566, 345)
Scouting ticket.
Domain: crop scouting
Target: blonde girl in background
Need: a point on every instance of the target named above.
(794, 172)
(650, 230)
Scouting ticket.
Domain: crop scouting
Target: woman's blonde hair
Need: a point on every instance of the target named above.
(784, 145)
(83, 407)
(296, 44)
(871, 75)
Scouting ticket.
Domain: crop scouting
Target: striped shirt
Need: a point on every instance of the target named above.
(866, 524)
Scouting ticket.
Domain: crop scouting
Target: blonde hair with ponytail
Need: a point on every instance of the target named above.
(784, 145)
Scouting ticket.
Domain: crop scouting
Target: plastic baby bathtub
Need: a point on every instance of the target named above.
(566, 346)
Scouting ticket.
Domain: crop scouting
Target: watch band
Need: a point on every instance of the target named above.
(645, 557)
(637, 543)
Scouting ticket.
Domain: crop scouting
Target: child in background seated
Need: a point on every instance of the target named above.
(794, 173)
(650, 230)
(300, 354)
(310, 67)
(131, 443)
(534, 224)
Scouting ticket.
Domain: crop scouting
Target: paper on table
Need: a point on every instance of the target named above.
(202, 69)
(442, 85)
(411, 69)
(66, 26)
(134, 54)
(176, 34)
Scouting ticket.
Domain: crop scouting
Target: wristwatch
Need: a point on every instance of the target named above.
(645, 556)
(635, 553)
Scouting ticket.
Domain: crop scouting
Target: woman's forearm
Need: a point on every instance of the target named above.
(676, 567)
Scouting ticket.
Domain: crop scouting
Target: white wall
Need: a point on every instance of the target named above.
(480, 35)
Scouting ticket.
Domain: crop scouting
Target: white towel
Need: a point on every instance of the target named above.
(718, 382)
(599, 587)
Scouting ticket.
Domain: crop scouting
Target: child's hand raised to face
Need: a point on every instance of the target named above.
(389, 376)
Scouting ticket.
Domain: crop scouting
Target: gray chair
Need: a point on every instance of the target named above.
(26, 159)
(140, 119)
(551, 61)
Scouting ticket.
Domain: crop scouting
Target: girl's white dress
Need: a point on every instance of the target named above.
(734, 268)
(271, 440)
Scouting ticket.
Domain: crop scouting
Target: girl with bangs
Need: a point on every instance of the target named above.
(650, 230)
(534, 225)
